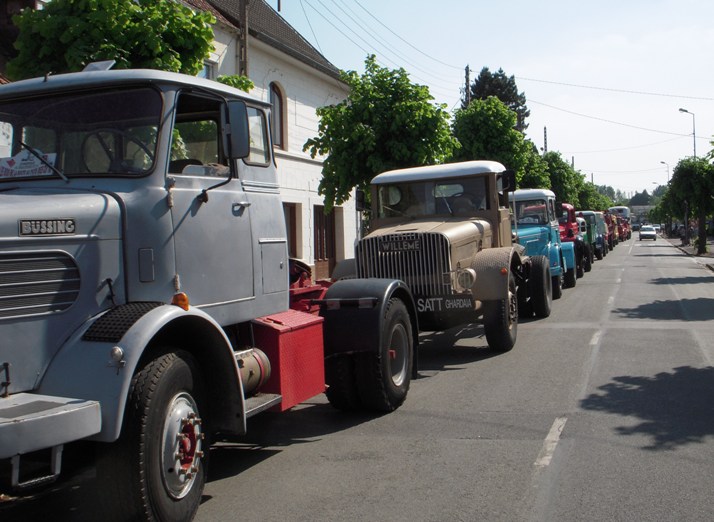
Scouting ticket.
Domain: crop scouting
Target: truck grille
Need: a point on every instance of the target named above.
(37, 283)
(422, 261)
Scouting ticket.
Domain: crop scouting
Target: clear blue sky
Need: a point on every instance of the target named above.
(606, 78)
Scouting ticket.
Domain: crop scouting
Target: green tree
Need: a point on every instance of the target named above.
(68, 34)
(486, 130)
(589, 198)
(640, 199)
(237, 81)
(692, 186)
(386, 122)
(505, 89)
(565, 181)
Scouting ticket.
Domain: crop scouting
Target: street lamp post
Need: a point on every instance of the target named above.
(694, 131)
(665, 163)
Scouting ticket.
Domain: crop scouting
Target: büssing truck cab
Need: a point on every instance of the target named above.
(147, 301)
(535, 226)
(445, 230)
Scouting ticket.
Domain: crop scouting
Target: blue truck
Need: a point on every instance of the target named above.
(535, 226)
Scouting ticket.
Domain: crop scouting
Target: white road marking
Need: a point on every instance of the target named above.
(550, 443)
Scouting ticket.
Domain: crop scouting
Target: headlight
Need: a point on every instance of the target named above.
(465, 278)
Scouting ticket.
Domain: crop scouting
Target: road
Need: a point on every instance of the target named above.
(603, 411)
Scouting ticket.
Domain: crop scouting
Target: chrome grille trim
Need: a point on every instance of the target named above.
(37, 283)
(425, 270)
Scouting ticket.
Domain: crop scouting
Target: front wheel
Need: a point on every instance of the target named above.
(157, 469)
(500, 319)
(588, 259)
(383, 377)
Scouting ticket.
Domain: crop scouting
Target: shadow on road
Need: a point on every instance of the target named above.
(687, 280)
(674, 409)
(447, 350)
(699, 309)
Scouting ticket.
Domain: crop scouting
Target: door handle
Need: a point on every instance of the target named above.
(240, 205)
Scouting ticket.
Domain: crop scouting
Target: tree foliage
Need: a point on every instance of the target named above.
(68, 34)
(565, 181)
(386, 122)
(589, 198)
(237, 81)
(692, 186)
(505, 89)
(486, 130)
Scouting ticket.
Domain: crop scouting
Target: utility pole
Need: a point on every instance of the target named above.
(467, 92)
(243, 39)
(545, 140)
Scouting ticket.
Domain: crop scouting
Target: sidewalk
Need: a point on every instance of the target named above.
(706, 259)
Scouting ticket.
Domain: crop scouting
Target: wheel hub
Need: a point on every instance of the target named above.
(182, 445)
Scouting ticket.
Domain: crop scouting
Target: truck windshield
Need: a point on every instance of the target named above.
(531, 212)
(97, 133)
(444, 197)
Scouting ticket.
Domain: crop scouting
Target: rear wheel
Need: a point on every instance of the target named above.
(570, 278)
(540, 286)
(557, 284)
(501, 319)
(341, 383)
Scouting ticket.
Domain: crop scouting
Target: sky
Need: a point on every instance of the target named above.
(604, 79)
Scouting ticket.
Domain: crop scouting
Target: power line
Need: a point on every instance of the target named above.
(625, 148)
(625, 91)
(606, 120)
(405, 41)
(435, 87)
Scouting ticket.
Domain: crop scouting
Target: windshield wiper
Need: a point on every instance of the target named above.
(36, 154)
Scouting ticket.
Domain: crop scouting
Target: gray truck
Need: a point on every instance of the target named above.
(445, 230)
(147, 302)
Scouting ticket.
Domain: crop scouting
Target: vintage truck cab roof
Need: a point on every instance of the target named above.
(100, 78)
(446, 170)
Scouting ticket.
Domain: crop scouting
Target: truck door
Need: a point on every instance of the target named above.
(211, 214)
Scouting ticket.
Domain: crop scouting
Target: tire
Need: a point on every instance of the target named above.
(341, 383)
(580, 268)
(540, 287)
(557, 286)
(570, 278)
(383, 377)
(500, 320)
(588, 259)
(147, 479)
(599, 253)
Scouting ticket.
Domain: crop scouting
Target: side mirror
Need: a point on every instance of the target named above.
(508, 179)
(234, 130)
(360, 200)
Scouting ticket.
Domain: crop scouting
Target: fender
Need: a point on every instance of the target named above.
(492, 267)
(354, 314)
(555, 255)
(568, 249)
(85, 368)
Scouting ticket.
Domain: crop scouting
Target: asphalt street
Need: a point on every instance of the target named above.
(603, 411)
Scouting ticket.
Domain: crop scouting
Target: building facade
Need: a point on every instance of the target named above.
(296, 79)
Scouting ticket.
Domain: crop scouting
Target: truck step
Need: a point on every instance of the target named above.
(261, 402)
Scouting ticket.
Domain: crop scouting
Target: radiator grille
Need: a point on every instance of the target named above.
(37, 283)
(422, 261)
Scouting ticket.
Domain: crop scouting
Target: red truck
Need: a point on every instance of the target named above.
(570, 232)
